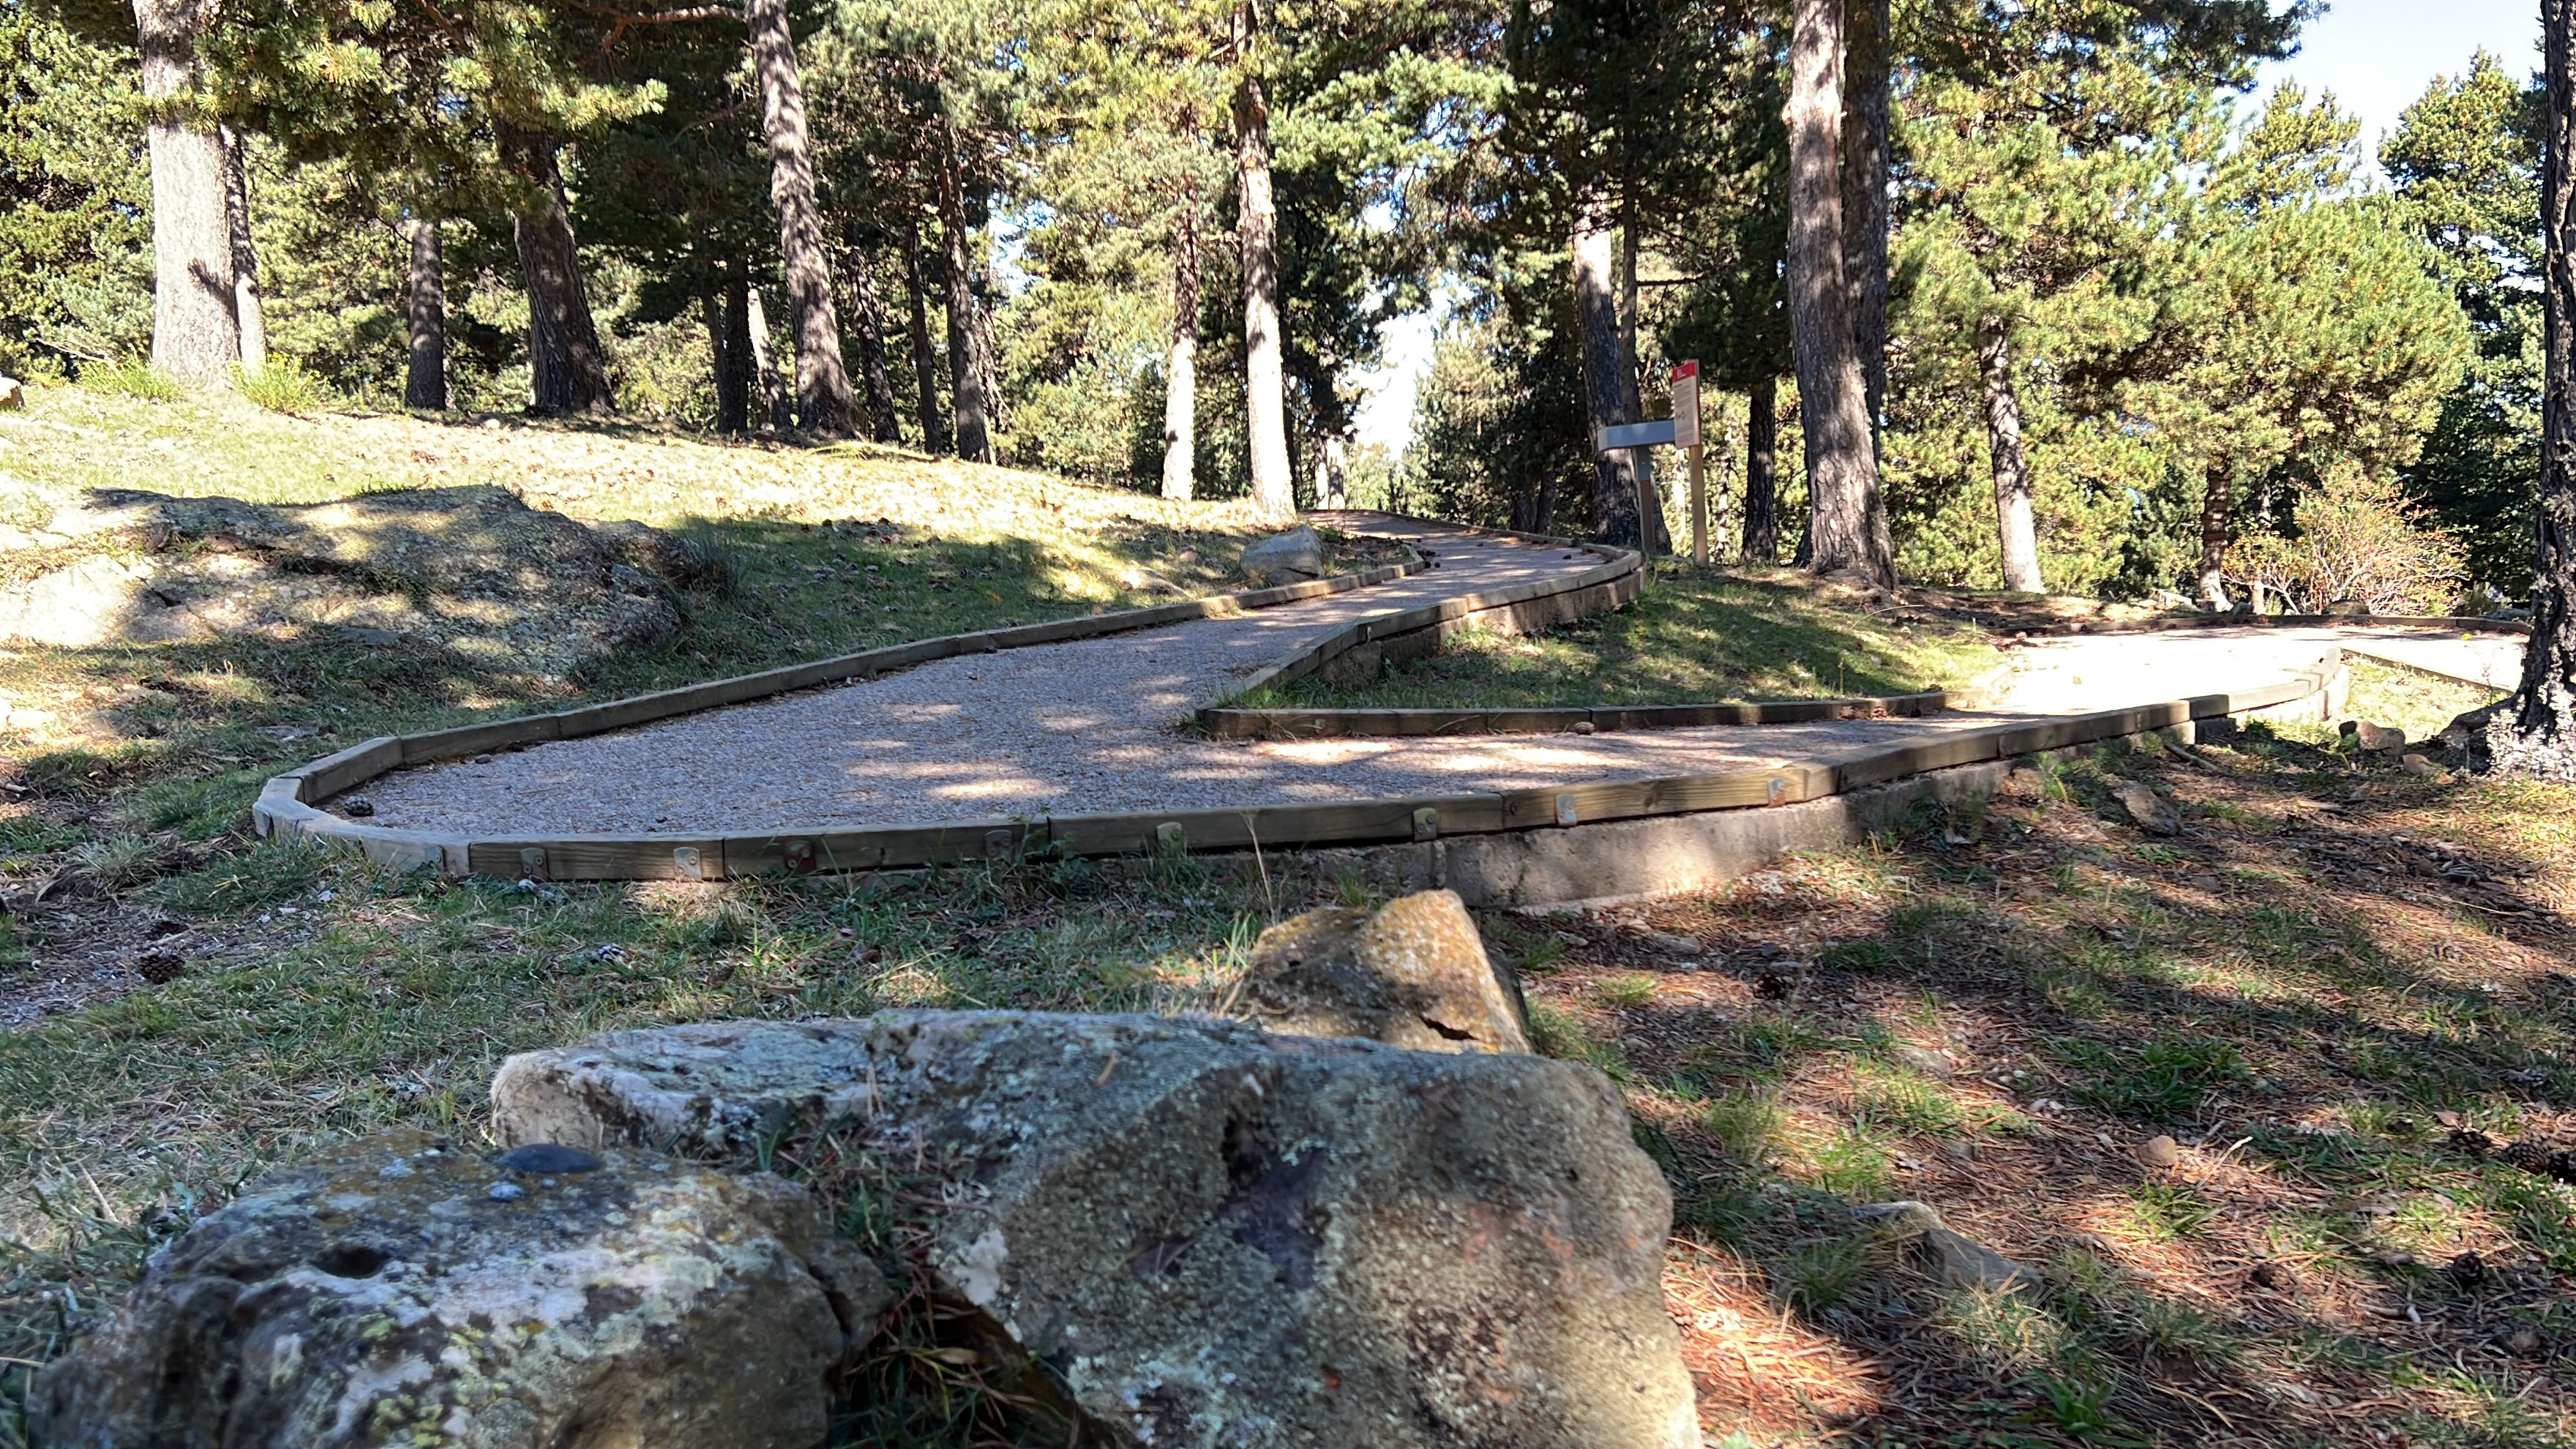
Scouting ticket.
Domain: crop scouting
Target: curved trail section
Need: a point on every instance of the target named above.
(1091, 727)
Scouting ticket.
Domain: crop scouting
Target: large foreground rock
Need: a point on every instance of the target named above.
(1412, 974)
(1208, 1236)
(472, 571)
(405, 1292)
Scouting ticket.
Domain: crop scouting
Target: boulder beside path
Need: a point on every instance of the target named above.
(404, 1291)
(1203, 1235)
(1413, 973)
(1285, 558)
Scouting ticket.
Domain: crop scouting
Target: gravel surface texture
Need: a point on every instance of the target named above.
(1090, 727)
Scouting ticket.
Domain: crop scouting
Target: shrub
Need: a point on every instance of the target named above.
(282, 387)
(2357, 538)
(130, 378)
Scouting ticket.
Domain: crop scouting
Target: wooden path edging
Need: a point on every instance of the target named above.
(1336, 723)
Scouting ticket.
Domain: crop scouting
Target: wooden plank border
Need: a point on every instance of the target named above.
(1338, 723)
(286, 804)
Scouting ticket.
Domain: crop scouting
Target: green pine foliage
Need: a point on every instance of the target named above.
(75, 223)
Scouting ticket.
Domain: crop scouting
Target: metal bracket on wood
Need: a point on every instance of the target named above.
(1565, 811)
(1426, 824)
(1779, 787)
(798, 856)
(687, 864)
(1170, 836)
(1000, 844)
(532, 863)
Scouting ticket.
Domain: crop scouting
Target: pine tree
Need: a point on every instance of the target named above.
(1847, 527)
(2536, 732)
(2466, 158)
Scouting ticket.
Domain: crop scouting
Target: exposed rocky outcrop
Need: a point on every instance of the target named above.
(469, 570)
(1414, 974)
(406, 1292)
(1205, 1235)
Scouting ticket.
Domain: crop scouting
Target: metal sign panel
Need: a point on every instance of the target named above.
(1686, 404)
(1633, 435)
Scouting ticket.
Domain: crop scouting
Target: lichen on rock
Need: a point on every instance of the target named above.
(404, 1291)
(1414, 973)
(1205, 1235)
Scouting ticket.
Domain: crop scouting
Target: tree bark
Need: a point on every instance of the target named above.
(823, 401)
(566, 372)
(925, 365)
(1762, 471)
(1846, 526)
(425, 295)
(2217, 513)
(1256, 228)
(729, 333)
(1181, 367)
(766, 388)
(247, 314)
(2016, 528)
(1866, 157)
(1596, 316)
(965, 368)
(888, 427)
(196, 329)
(1631, 379)
(2540, 736)
(988, 354)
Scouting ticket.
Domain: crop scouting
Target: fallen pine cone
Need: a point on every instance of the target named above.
(2472, 1141)
(2535, 1158)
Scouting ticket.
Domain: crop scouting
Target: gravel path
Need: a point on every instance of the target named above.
(1087, 727)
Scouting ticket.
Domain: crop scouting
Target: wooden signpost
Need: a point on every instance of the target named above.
(1686, 434)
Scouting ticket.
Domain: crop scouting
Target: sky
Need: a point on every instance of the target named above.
(2377, 56)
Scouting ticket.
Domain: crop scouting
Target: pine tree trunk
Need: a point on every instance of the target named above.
(1762, 471)
(1181, 367)
(1596, 317)
(965, 368)
(247, 314)
(925, 365)
(988, 354)
(2217, 514)
(1865, 155)
(1631, 378)
(730, 335)
(196, 331)
(425, 295)
(766, 389)
(2539, 738)
(566, 371)
(888, 427)
(1256, 229)
(823, 401)
(2016, 529)
(1846, 525)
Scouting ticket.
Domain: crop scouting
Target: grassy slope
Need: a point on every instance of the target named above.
(178, 737)
(1695, 637)
(2294, 988)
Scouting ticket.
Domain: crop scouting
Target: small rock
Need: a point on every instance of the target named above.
(2377, 738)
(357, 807)
(1584, 727)
(1285, 558)
(13, 394)
(2159, 1151)
(1931, 1062)
(1962, 1261)
(2148, 809)
(2207, 883)
(1674, 944)
(2416, 765)
(1415, 974)
(2394, 1258)
(2523, 1340)
(392, 1286)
